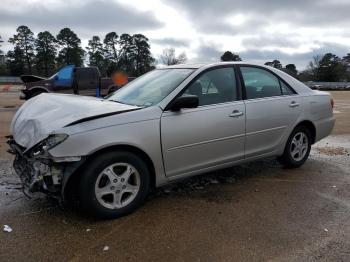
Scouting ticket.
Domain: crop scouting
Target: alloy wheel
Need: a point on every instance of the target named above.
(117, 185)
(299, 146)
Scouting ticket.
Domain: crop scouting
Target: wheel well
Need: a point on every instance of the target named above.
(73, 180)
(37, 89)
(309, 125)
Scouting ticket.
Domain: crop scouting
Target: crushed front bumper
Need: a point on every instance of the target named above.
(40, 174)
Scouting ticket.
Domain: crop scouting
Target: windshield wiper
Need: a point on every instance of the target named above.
(124, 103)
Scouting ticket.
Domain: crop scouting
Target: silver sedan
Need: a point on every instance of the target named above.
(171, 123)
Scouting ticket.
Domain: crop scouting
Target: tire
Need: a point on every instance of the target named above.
(107, 191)
(296, 152)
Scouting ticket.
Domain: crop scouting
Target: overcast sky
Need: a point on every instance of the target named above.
(291, 31)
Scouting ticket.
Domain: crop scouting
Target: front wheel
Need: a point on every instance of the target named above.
(114, 184)
(297, 149)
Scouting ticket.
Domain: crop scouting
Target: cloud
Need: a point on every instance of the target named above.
(270, 40)
(170, 42)
(298, 12)
(89, 17)
(207, 53)
(300, 59)
(291, 31)
(257, 55)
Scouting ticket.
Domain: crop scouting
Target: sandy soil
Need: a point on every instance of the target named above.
(341, 111)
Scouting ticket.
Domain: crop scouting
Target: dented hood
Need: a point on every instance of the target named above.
(40, 116)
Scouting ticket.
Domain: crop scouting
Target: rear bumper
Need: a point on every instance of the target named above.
(324, 127)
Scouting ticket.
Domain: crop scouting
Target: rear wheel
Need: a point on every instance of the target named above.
(114, 184)
(297, 149)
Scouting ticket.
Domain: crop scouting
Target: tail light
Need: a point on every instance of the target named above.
(332, 102)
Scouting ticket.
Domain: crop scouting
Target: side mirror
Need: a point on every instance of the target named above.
(56, 78)
(188, 101)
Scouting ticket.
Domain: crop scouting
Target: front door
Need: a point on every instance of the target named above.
(209, 135)
(272, 108)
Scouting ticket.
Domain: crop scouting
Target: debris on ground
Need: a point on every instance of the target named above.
(7, 228)
(332, 151)
(326, 230)
(105, 248)
(88, 230)
(196, 183)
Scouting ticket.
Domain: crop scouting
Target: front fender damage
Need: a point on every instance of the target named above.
(45, 174)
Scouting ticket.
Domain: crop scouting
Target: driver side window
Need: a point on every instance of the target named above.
(214, 87)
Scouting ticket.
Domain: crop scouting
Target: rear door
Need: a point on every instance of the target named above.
(87, 80)
(272, 107)
(209, 135)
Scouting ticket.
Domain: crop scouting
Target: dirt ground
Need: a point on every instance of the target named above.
(252, 212)
(342, 112)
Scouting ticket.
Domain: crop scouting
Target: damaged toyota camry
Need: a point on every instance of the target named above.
(169, 124)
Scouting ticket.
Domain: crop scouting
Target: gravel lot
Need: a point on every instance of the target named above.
(252, 212)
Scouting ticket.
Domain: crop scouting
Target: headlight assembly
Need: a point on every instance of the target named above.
(50, 142)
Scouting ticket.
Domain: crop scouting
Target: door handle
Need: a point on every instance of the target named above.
(236, 113)
(294, 104)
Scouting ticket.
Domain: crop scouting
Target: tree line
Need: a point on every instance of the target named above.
(323, 68)
(46, 53)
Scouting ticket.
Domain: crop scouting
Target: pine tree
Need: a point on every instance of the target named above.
(46, 49)
(71, 51)
(24, 45)
(95, 53)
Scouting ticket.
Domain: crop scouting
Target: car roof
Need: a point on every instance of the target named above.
(199, 65)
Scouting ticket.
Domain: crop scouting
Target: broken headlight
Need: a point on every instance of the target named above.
(50, 142)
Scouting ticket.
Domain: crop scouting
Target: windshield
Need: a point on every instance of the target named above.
(151, 88)
(53, 76)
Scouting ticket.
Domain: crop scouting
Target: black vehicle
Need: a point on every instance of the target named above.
(70, 80)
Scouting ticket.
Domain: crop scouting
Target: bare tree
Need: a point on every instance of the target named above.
(314, 65)
(169, 57)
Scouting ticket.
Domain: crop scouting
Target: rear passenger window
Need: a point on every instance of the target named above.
(260, 83)
(214, 87)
